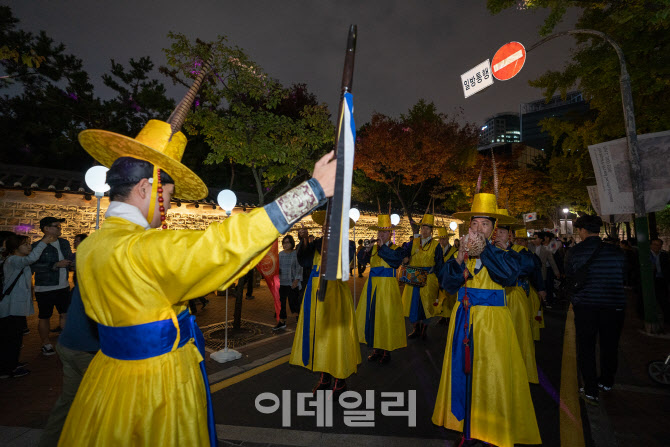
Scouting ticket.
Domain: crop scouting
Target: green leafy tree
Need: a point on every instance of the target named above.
(13, 48)
(249, 119)
(56, 100)
(139, 98)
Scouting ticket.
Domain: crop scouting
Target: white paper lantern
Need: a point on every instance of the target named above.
(96, 178)
(227, 200)
(395, 219)
(354, 214)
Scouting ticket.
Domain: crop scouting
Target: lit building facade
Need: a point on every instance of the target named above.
(500, 129)
(572, 108)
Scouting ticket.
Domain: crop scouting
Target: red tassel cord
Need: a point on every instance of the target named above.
(161, 200)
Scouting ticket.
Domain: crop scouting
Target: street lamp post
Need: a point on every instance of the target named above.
(452, 226)
(395, 220)
(227, 200)
(565, 212)
(641, 221)
(96, 178)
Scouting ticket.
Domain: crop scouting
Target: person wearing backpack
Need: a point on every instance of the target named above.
(595, 275)
(16, 300)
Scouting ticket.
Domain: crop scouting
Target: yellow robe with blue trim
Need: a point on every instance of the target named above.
(520, 308)
(447, 300)
(502, 411)
(130, 276)
(332, 332)
(423, 257)
(389, 322)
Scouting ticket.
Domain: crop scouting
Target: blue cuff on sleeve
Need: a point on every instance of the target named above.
(318, 190)
(292, 206)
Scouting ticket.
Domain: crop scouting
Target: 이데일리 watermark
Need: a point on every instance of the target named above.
(392, 404)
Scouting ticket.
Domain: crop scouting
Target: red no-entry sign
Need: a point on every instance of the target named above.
(508, 61)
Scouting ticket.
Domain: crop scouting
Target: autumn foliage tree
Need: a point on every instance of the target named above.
(414, 150)
(521, 189)
(248, 118)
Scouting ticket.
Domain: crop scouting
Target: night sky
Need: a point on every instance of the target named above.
(406, 49)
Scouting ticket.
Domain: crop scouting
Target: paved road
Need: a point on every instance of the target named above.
(416, 368)
(634, 413)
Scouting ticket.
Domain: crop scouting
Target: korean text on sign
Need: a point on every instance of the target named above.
(477, 79)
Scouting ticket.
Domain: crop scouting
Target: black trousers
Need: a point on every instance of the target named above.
(597, 325)
(192, 303)
(549, 285)
(361, 269)
(11, 337)
(249, 278)
(290, 294)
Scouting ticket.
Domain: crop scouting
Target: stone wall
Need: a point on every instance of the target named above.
(21, 214)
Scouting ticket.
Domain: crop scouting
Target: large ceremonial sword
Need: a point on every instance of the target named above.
(335, 241)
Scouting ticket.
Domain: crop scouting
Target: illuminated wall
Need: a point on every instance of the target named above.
(21, 214)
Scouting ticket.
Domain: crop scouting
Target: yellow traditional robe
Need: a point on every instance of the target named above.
(130, 276)
(423, 257)
(333, 340)
(389, 322)
(502, 411)
(520, 309)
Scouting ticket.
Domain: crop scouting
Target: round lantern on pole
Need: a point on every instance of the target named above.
(227, 200)
(96, 179)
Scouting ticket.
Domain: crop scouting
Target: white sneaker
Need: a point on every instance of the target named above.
(48, 350)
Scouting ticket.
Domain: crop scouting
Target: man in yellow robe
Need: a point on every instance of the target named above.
(420, 302)
(325, 336)
(147, 385)
(381, 324)
(536, 292)
(518, 300)
(484, 391)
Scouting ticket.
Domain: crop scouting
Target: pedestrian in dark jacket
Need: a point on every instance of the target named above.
(598, 304)
(52, 287)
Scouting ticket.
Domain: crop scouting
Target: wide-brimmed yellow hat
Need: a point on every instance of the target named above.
(428, 219)
(155, 144)
(512, 226)
(444, 232)
(484, 205)
(383, 223)
(319, 217)
(521, 233)
(159, 143)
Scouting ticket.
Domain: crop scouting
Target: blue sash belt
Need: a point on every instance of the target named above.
(375, 272)
(523, 283)
(476, 297)
(144, 341)
(306, 315)
(416, 312)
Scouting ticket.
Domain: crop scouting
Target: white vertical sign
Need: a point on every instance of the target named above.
(477, 79)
